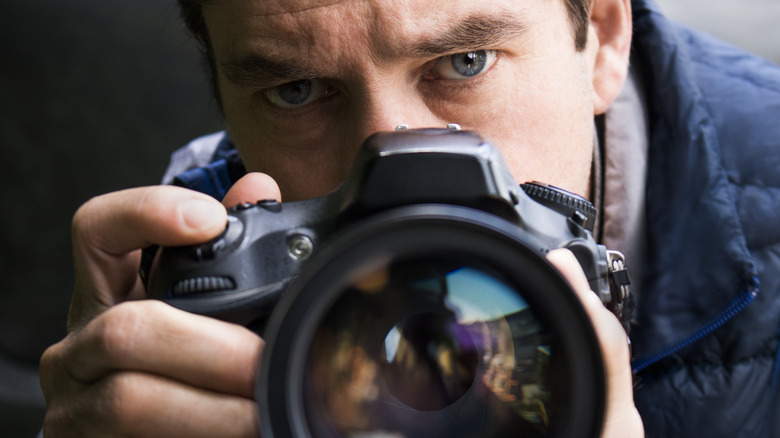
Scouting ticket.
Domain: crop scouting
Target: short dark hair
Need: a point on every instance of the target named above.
(192, 14)
(579, 16)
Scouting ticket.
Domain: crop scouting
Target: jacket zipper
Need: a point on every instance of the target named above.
(737, 305)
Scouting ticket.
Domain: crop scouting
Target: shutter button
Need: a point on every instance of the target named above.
(231, 236)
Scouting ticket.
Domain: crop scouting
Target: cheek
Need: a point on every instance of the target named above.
(543, 123)
(303, 158)
(305, 163)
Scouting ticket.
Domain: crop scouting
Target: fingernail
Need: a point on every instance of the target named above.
(199, 214)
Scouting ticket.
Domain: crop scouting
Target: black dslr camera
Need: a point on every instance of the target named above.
(413, 301)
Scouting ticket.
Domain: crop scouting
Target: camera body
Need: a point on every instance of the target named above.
(241, 274)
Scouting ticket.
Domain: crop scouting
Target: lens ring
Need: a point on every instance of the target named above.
(410, 230)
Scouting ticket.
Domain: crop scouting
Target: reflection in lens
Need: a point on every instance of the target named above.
(429, 361)
(441, 348)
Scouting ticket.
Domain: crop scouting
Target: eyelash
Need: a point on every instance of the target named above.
(489, 59)
(314, 87)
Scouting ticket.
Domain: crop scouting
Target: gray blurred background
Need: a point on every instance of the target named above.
(94, 96)
(751, 24)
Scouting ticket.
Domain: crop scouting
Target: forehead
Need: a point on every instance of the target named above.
(386, 26)
(398, 11)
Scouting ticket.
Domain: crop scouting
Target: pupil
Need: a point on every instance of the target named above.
(470, 64)
(295, 93)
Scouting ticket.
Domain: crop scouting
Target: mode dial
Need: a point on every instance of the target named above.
(571, 205)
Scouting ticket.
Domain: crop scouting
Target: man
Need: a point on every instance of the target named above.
(303, 82)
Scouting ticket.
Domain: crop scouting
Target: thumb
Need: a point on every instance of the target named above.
(252, 187)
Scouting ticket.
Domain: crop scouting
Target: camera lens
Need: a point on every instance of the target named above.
(429, 347)
(430, 320)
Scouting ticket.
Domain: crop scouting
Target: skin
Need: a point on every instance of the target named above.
(134, 367)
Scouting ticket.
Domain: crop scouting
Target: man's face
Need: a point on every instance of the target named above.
(304, 82)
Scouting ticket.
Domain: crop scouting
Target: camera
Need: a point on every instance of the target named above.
(415, 300)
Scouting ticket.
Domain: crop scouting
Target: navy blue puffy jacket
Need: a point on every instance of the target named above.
(713, 198)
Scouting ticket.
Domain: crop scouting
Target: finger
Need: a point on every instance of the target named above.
(612, 338)
(252, 187)
(140, 404)
(109, 229)
(153, 337)
(136, 218)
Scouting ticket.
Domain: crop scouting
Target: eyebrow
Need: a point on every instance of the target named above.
(256, 70)
(474, 32)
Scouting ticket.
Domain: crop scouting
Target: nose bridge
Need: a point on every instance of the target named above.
(384, 103)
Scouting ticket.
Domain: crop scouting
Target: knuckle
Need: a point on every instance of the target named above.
(49, 365)
(68, 421)
(159, 204)
(83, 219)
(118, 329)
(123, 400)
(49, 358)
(113, 406)
(151, 203)
(66, 413)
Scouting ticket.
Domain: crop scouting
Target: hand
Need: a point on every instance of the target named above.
(133, 367)
(622, 418)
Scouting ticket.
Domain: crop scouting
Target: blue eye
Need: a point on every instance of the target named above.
(297, 93)
(465, 65)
